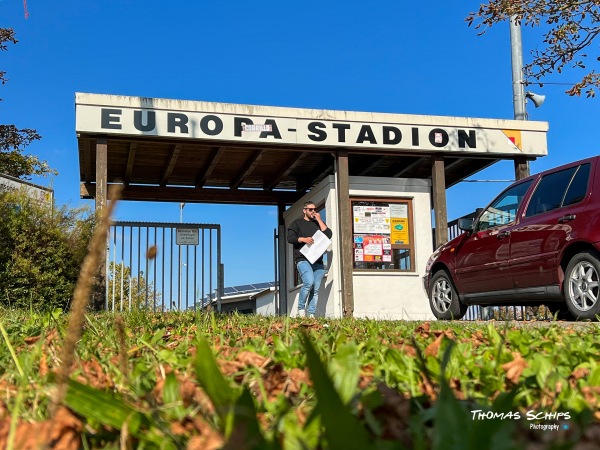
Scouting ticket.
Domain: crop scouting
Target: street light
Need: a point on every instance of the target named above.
(181, 206)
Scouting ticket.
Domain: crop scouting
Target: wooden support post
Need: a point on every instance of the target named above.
(282, 259)
(99, 298)
(438, 178)
(345, 233)
(521, 168)
(101, 172)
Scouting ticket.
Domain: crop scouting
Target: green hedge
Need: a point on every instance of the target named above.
(41, 250)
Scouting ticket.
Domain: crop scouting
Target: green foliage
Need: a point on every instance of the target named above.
(380, 385)
(569, 30)
(41, 250)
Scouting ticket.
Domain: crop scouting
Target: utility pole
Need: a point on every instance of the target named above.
(516, 53)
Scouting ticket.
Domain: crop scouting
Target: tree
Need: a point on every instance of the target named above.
(129, 292)
(570, 27)
(41, 251)
(14, 140)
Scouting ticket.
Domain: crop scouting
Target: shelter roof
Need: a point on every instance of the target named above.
(171, 150)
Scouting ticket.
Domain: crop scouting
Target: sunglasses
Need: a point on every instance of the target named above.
(310, 209)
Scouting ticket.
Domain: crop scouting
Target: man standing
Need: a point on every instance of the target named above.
(300, 233)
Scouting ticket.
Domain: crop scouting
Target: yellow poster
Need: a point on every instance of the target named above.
(400, 233)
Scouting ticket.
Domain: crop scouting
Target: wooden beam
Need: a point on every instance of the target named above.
(324, 168)
(438, 178)
(251, 163)
(87, 160)
(100, 299)
(203, 176)
(130, 159)
(371, 166)
(345, 223)
(521, 168)
(290, 165)
(201, 195)
(410, 167)
(171, 165)
(101, 172)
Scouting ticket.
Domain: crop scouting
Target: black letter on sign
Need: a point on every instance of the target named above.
(388, 131)
(366, 134)
(415, 136)
(469, 140)
(150, 121)
(177, 120)
(275, 131)
(341, 127)
(109, 119)
(316, 127)
(237, 125)
(438, 137)
(206, 129)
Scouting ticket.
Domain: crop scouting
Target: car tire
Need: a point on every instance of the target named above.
(581, 286)
(443, 298)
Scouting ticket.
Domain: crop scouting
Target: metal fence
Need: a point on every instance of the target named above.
(163, 266)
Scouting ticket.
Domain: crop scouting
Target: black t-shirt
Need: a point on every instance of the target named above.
(301, 228)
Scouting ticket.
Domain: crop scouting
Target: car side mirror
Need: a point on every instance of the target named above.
(465, 224)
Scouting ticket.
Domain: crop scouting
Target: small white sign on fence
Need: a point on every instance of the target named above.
(187, 236)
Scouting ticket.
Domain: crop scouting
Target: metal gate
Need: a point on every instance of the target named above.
(161, 267)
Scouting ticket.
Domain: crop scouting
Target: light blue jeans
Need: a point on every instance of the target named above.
(311, 275)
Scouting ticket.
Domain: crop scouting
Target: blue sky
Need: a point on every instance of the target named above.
(400, 57)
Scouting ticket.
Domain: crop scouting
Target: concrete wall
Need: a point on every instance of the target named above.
(265, 302)
(377, 294)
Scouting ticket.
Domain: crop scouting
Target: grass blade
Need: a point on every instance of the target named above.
(342, 429)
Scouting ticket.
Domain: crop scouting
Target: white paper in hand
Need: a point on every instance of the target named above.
(314, 251)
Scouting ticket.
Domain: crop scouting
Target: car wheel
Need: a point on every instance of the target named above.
(443, 298)
(581, 286)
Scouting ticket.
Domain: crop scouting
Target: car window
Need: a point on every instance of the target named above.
(578, 187)
(550, 192)
(504, 209)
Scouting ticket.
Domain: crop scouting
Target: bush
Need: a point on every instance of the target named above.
(41, 250)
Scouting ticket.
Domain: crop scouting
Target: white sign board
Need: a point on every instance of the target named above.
(136, 116)
(187, 236)
(39, 193)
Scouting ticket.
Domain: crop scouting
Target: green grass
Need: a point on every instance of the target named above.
(253, 382)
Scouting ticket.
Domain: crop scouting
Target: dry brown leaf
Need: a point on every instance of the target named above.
(252, 359)
(32, 339)
(61, 433)
(433, 348)
(515, 368)
(580, 372)
(423, 328)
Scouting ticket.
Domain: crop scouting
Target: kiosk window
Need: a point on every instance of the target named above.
(382, 234)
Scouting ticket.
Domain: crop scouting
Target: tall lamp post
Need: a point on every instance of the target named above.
(516, 54)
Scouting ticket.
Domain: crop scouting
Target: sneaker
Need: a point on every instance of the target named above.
(301, 313)
(311, 316)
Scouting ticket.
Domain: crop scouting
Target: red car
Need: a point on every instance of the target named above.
(537, 243)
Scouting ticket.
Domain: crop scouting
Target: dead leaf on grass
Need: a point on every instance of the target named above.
(32, 339)
(515, 368)
(433, 348)
(423, 329)
(252, 359)
(63, 432)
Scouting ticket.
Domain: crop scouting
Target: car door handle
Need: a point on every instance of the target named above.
(503, 234)
(567, 218)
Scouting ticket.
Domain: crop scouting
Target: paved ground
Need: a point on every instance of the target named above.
(592, 326)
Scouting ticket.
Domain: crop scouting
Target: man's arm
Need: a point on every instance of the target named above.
(294, 237)
(323, 226)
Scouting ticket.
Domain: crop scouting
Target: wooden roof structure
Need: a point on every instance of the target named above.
(166, 167)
